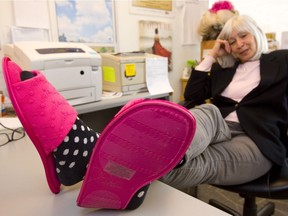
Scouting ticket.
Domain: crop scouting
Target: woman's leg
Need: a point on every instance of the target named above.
(228, 163)
(216, 158)
(210, 128)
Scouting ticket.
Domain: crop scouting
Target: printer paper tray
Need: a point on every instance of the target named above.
(80, 96)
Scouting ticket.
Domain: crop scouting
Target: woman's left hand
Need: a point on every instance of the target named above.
(220, 48)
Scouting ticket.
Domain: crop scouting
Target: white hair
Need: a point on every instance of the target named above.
(242, 23)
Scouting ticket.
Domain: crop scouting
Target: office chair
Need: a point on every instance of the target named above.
(273, 185)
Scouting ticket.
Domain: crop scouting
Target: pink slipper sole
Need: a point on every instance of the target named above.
(45, 115)
(142, 143)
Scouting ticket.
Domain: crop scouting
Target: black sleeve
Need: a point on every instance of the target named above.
(198, 88)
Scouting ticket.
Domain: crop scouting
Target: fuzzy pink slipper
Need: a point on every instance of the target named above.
(45, 114)
(145, 140)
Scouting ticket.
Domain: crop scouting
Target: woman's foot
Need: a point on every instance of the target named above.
(145, 140)
(73, 154)
(48, 119)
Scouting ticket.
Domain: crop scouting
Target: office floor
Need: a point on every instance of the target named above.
(233, 200)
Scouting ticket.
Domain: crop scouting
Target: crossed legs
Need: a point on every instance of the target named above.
(219, 154)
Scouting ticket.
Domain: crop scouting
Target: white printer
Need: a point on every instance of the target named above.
(125, 72)
(74, 69)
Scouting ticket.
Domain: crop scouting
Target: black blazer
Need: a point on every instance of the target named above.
(263, 113)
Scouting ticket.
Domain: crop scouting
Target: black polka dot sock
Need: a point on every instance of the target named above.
(73, 154)
(26, 75)
(181, 163)
(138, 198)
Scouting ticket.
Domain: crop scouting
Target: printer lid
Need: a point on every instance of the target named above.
(36, 54)
(49, 51)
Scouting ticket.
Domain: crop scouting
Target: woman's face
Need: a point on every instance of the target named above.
(243, 45)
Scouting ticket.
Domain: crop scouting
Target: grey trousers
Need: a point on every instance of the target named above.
(220, 153)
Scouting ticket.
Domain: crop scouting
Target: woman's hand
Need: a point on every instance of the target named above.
(220, 48)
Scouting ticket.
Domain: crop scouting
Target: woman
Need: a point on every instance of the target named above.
(243, 132)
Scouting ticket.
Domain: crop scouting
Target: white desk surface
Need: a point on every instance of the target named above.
(24, 192)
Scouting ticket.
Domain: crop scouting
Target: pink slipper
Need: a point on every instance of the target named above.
(46, 116)
(145, 140)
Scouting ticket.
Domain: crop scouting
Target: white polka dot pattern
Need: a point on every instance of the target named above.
(66, 152)
(73, 155)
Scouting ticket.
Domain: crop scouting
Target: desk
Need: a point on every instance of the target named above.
(24, 192)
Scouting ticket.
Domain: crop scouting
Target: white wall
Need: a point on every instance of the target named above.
(6, 20)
